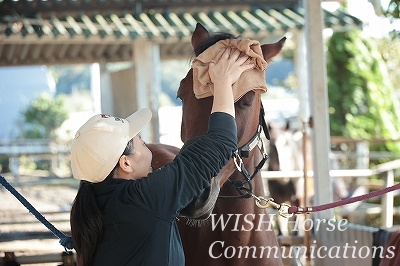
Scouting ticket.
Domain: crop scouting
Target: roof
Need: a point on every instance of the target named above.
(58, 38)
(30, 7)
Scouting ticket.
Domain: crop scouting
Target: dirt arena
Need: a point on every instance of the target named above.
(20, 231)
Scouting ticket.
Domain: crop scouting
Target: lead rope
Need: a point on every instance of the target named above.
(288, 211)
(65, 240)
(322, 207)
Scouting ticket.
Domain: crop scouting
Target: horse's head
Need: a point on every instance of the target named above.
(195, 113)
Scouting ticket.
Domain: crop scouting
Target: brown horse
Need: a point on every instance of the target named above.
(238, 232)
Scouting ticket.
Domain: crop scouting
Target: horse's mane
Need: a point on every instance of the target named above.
(214, 38)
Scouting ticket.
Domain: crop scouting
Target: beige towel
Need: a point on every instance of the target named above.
(253, 79)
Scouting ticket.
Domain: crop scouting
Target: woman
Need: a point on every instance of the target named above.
(125, 214)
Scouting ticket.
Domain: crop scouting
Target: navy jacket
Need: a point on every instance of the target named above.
(140, 215)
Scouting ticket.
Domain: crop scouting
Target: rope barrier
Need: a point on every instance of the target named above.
(65, 240)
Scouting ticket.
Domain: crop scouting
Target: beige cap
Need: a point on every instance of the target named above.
(100, 142)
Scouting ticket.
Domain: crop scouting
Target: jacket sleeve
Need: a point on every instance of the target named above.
(171, 188)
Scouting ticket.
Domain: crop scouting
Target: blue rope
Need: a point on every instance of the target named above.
(65, 240)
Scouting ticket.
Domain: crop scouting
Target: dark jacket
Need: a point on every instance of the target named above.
(140, 215)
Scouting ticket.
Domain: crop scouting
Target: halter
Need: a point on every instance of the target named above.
(244, 187)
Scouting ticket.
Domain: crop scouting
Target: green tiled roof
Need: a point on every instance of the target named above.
(168, 24)
(120, 30)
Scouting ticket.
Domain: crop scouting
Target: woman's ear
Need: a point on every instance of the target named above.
(125, 164)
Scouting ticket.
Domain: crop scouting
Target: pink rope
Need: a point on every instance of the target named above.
(299, 210)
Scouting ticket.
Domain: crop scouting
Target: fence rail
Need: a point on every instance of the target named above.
(385, 170)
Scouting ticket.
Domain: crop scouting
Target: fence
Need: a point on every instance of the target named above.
(66, 258)
(386, 170)
(37, 149)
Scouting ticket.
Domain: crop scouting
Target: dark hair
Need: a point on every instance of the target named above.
(87, 220)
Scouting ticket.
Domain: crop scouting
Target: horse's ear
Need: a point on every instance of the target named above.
(200, 34)
(272, 49)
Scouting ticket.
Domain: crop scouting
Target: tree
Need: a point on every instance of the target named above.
(362, 102)
(390, 50)
(393, 10)
(43, 116)
(70, 78)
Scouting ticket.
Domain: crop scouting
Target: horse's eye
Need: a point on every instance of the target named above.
(244, 104)
(247, 100)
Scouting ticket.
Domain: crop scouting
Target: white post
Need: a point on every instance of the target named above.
(106, 98)
(95, 87)
(148, 83)
(302, 75)
(387, 201)
(319, 105)
(362, 151)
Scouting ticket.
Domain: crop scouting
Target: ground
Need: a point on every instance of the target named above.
(20, 231)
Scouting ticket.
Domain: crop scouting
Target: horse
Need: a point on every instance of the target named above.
(237, 231)
(290, 149)
(287, 153)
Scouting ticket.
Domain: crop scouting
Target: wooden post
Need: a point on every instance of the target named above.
(106, 97)
(95, 87)
(387, 201)
(362, 151)
(9, 259)
(148, 83)
(319, 105)
(68, 258)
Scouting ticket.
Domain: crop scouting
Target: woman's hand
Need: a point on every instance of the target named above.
(229, 67)
(223, 74)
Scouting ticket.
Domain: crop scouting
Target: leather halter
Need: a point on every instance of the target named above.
(244, 187)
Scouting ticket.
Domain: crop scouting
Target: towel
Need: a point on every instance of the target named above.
(249, 80)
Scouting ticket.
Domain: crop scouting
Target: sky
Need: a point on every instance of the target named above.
(374, 26)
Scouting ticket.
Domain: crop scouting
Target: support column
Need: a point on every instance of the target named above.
(319, 105)
(302, 75)
(95, 87)
(106, 95)
(148, 83)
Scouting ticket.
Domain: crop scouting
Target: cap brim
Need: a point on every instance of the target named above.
(138, 120)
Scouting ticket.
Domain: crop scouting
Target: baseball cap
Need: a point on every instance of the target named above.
(100, 142)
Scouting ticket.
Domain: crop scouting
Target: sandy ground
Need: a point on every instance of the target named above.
(20, 231)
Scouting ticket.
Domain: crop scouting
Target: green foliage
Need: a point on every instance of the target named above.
(393, 10)
(390, 51)
(70, 78)
(362, 103)
(44, 115)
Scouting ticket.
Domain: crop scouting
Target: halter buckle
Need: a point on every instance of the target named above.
(238, 161)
